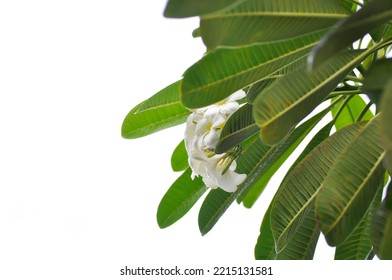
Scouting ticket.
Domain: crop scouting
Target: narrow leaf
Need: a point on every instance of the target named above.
(283, 105)
(161, 111)
(224, 71)
(179, 199)
(265, 245)
(372, 15)
(190, 8)
(351, 185)
(239, 127)
(303, 244)
(179, 158)
(358, 245)
(386, 124)
(255, 21)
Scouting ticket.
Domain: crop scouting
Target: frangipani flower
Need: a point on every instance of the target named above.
(202, 133)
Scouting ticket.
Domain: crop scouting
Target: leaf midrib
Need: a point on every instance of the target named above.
(359, 189)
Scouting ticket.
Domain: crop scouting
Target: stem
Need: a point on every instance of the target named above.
(362, 114)
(354, 78)
(344, 92)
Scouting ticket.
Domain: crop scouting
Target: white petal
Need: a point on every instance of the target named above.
(230, 107)
(211, 139)
(237, 95)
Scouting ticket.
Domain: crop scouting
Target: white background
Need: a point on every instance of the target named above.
(76, 200)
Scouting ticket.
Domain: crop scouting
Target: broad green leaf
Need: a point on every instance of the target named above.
(256, 161)
(358, 245)
(351, 185)
(381, 233)
(258, 87)
(303, 244)
(302, 247)
(296, 195)
(376, 79)
(224, 71)
(351, 112)
(239, 127)
(283, 105)
(384, 31)
(161, 111)
(382, 228)
(386, 124)
(255, 21)
(265, 246)
(372, 15)
(179, 199)
(250, 196)
(179, 158)
(190, 8)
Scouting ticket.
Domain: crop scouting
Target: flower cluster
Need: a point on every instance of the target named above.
(202, 133)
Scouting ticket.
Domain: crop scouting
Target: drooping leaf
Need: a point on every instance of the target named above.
(256, 161)
(283, 105)
(303, 244)
(179, 199)
(265, 245)
(179, 158)
(351, 112)
(297, 193)
(224, 71)
(238, 128)
(381, 233)
(386, 124)
(190, 8)
(351, 185)
(372, 15)
(255, 21)
(162, 110)
(358, 245)
(382, 228)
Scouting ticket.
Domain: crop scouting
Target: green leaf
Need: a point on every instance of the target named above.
(265, 246)
(351, 185)
(372, 15)
(303, 244)
(382, 228)
(190, 8)
(224, 71)
(358, 245)
(283, 105)
(179, 199)
(297, 193)
(255, 21)
(351, 112)
(179, 158)
(161, 111)
(376, 79)
(239, 127)
(256, 161)
(386, 125)
(381, 233)
(258, 87)
(277, 157)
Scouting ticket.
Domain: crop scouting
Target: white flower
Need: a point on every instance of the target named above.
(202, 133)
(221, 173)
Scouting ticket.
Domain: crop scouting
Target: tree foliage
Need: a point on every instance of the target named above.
(301, 63)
